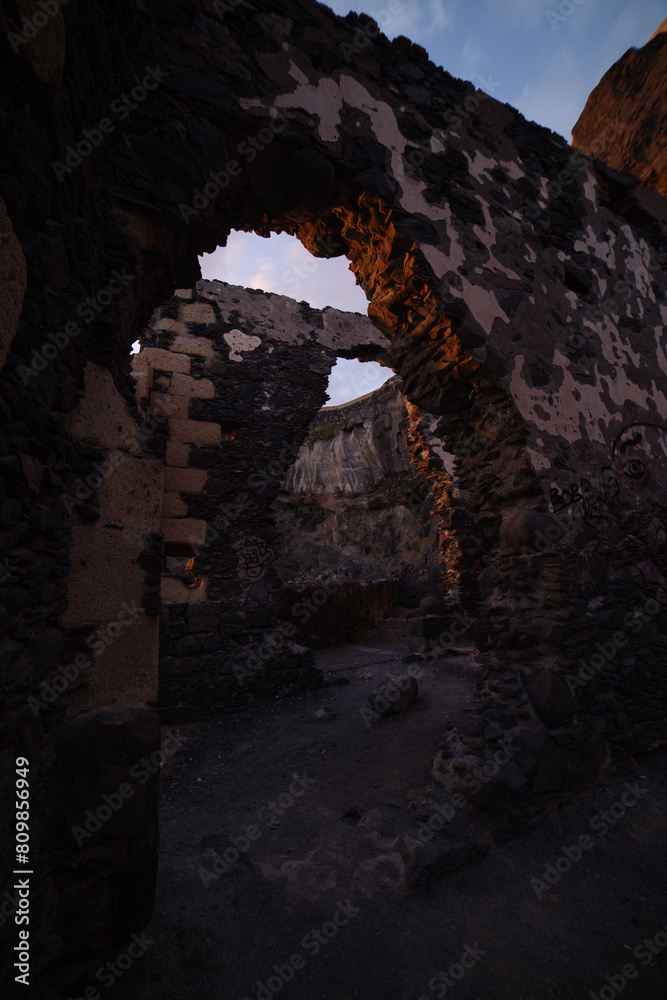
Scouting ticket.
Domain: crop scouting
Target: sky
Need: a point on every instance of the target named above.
(543, 57)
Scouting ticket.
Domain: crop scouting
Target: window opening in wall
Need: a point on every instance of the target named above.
(283, 265)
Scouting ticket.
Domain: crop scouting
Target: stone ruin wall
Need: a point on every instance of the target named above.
(230, 380)
(521, 286)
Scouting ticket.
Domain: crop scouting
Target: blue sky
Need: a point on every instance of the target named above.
(541, 56)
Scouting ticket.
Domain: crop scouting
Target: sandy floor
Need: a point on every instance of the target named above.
(325, 859)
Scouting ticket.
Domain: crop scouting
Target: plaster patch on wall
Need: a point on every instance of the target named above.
(590, 185)
(537, 460)
(439, 261)
(483, 304)
(636, 263)
(323, 100)
(296, 73)
(513, 169)
(480, 166)
(239, 341)
(661, 348)
(488, 237)
(604, 249)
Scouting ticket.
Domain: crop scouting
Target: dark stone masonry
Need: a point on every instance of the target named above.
(515, 284)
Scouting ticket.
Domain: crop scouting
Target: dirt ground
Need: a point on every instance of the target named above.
(326, 858)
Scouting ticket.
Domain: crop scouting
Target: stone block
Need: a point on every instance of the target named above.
(178, 454)
(183, 293)
(131, 494)
(527, 528)
(101, 417)
(163, 405)
(185, 480)
(200, 432)
(142, 374)
(171, 326)
(203, 618)
(13, 271)
(174, 506)
(126, 670)
(104, 576)
(395, 695)
(551, 698)
(200, 347)
(183, 531)
(192, 388)
(552, 769)
(428, 626)
(102, 749)
(166, 361)
(197, 312)
(175, 592)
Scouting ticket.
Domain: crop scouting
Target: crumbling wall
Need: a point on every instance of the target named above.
(232, 377)
(522, 293)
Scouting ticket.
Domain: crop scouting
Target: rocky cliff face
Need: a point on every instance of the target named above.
(624, 122)
(354, 505)
(352, 447)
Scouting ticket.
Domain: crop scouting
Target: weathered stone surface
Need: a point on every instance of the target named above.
(428, 626)
(105, 574)
(13, 280)
(527, 529)
(516, 285)
(354, 446)
(625, 118)
(395, 695)
(429, 862)
(354, 499)
(101, 417)
(551, 698)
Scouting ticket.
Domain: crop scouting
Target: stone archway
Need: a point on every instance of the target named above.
(489, 250)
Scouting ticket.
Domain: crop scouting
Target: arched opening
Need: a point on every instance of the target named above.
(480, 241)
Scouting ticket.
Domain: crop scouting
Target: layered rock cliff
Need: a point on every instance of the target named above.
(624, 122)
(354, 505)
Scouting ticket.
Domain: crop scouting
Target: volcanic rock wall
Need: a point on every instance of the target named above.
(521, 287)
